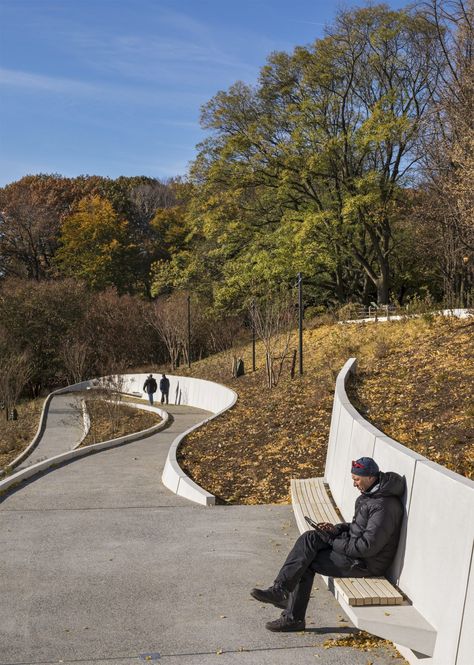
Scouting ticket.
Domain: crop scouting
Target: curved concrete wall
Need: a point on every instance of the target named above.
(78, 452)
(434, 563)
(188, 391)
(206, 395)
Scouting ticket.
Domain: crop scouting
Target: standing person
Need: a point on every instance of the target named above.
(150, 387)
(165, 388)
(364, 547)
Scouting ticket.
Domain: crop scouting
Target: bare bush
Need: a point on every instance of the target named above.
(107, 395)
(273, 317)
(74, 354)
(169, 318)
(15, 371)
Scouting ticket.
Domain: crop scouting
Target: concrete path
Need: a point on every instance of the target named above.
(63, 432)
(102, 565)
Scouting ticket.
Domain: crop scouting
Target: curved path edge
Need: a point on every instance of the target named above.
(184, 390)
(77, 452)
(175, 479)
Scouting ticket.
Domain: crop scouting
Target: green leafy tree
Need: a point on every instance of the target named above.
(326, 141)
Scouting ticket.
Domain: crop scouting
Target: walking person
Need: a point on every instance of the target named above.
(165, 388)
(364, 547)
(150, 387)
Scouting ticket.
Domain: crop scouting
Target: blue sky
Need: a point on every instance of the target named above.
(114, 87)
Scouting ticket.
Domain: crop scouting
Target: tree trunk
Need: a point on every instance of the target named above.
(383, 282)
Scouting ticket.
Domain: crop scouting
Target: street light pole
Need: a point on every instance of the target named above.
(300, 320)
(189, 331)
(253, 336)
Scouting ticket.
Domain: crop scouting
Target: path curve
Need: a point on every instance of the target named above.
(102, 565)
(63, 431)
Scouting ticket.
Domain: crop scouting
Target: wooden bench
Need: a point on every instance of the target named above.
(310, 497)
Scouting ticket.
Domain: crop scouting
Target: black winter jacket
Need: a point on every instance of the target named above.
(373, 534)
(150, 386)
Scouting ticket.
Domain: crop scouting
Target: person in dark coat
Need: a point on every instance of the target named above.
(165, 388)
(150, 387)
(362, 548)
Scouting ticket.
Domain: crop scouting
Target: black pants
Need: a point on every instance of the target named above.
(164, 396)
(310, 555)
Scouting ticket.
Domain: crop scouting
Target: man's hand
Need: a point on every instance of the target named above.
(328, 527)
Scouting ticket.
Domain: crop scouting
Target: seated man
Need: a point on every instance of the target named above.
(363, 548)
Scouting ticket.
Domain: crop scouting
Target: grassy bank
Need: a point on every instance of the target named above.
(16, 435)
(415, 382)
(112, 420)
(108, 421)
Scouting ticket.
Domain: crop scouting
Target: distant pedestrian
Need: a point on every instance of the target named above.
(150, 387)
(165, 388)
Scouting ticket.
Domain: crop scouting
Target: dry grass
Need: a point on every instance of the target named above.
(107, 422)
(111, 421)
(417, 375)
(16, 435)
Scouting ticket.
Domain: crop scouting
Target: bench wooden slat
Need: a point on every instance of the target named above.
(373, 583)
(370, 596)
(351, 594)
(310, 497)
(319, 494)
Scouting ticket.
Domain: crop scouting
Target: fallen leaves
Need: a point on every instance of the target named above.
(419, 393)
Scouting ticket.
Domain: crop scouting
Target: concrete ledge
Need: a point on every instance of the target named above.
(397, 623)
(184, 390)
(457, 313)
(177, 481)
(86, 423)
(35, 469)
(434, 564)
(173, 476)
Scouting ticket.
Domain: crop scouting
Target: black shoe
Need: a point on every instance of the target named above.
(275, 595)
(285, 625)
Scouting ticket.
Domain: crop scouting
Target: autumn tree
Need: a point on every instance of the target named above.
(116, 330)
(95, 246)
(31, 210)
(35, 319)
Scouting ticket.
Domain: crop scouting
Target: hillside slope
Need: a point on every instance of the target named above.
(415, 382)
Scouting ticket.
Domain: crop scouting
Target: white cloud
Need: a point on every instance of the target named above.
(141, 95)
(16, 78)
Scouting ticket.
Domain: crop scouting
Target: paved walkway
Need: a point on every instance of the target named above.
(63, 432)
(102, 565)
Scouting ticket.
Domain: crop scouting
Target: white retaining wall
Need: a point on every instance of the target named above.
(185, 390)
(188, 391)
(77, 452)
(434, 563)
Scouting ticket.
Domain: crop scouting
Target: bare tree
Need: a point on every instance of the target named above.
(168, 317)
(148, 197)
(74, 354)
(274, 319)
(449, 148)
(15, 370)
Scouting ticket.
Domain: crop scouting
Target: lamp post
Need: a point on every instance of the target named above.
(300, 320)
(464, 291)
(253, 337)
(189, 330)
